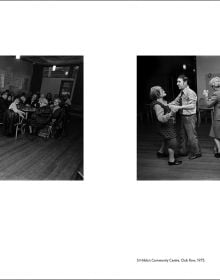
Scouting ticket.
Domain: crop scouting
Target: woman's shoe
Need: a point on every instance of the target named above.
(194, 156)
(175, 162)
(161, 155)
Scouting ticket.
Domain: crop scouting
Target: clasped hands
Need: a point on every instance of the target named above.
(174, 108)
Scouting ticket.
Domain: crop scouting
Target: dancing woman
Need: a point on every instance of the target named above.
(215, 103)
(165, 117)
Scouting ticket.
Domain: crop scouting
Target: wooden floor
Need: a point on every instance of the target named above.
(40, 159)
(149, 167)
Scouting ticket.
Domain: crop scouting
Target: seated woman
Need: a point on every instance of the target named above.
(214, 102)
(58, 117)
(23, 100)
(165, 117)
(11, 117)
(41, 117)
(42, 95)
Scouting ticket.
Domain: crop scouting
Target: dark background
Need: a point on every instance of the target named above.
(162, 71)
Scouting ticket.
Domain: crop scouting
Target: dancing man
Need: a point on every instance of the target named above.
(188, 135)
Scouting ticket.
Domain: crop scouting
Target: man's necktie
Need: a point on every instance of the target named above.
(181, 102)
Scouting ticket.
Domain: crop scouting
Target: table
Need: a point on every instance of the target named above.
(28, 109)
(206, 110)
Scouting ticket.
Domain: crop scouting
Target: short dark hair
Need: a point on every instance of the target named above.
(183, 77)
(57, 98)
(155, 92)
(23, 94)
(4, 92)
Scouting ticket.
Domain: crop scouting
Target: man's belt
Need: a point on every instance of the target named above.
(188, 115)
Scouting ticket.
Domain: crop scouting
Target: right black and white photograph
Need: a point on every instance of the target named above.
(178, 117)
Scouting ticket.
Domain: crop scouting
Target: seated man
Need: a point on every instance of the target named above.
(49, 97)
(9, 100)
(41, 117)
(3, 105)
(33, 100)
(66, 103)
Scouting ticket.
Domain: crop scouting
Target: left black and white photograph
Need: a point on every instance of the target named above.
(41, 117)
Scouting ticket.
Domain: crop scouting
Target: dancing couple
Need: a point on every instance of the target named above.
(185, 103)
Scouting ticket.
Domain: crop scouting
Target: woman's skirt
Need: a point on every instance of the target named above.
(215, 130)
(167, 130)
(168, 133)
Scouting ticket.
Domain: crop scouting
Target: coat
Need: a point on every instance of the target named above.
(215, 103)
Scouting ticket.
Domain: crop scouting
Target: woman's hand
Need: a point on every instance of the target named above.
(21, 114)
(174, 108)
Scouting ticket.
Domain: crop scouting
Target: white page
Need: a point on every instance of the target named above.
(98, 228)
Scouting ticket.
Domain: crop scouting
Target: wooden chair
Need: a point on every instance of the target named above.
(45, 132)
(19, 127)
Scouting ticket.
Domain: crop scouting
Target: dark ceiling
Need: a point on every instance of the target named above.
(53, 60)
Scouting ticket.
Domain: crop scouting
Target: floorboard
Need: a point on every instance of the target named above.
(149, 167)
(39, 159)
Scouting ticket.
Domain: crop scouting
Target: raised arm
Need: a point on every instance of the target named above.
(210, 102)
(14, 108)
(176, 101)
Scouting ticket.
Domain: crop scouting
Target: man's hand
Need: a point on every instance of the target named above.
(174, 108)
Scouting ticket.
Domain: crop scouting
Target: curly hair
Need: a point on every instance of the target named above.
(215, 82)
(155, 92)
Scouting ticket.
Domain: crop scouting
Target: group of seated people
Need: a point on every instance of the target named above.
(47, 110)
